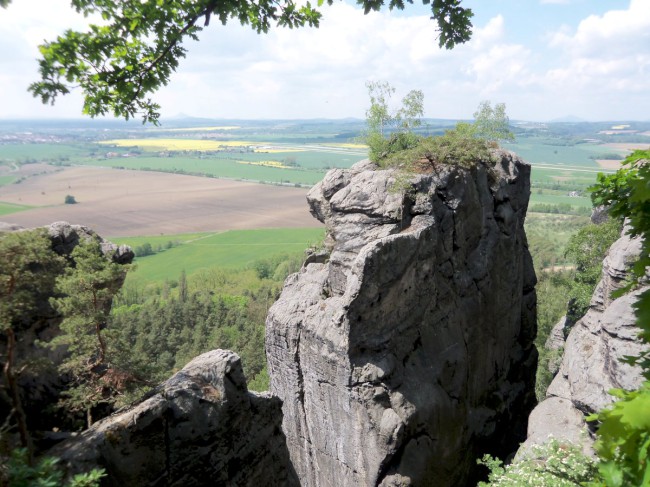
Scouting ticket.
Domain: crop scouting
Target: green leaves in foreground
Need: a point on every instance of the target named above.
(624, 435)
(624, 439)
(627, 193)
(46, 473)
(133, 53)
(554, 464)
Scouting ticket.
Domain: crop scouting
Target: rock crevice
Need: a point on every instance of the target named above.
(415, 349)
(591, 363)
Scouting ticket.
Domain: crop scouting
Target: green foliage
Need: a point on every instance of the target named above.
(70, 200)
(46, 473)
(587, 249)
(28, 267)
(465, 145)
(554, 464)
(627, 193)
(158, 331)
(457, 146)
(623, 443)
(552, 289)
(86, 292)
(143, 250)
(117, 65)
(492, 124)
(389, 131)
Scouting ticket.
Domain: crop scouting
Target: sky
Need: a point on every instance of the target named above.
(545, 59)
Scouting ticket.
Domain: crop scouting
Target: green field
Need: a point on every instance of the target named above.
(540, 150)
(7, 180)
(7, 208)
(553, 197)
(41, 152)
(232, 249)
(215, 168)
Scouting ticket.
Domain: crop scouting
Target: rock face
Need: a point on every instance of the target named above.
(200, 427)
(410, 352)
(591, 364)
(65, 237)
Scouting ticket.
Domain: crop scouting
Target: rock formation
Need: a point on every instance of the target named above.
(591, 363)
(200, 427)
(397, 357)
(410, 352)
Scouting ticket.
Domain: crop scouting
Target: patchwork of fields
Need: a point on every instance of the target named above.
(128, 203)
(176, 184)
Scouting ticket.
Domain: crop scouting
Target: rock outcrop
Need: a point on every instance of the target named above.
(410, 352)
(200, 427)
(591, 363)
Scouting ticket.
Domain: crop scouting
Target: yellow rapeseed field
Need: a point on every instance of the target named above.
(276, 164)
(347, 145)
(177, 144)
(195, 145)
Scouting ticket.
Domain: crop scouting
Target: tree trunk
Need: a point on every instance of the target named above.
(12, 385)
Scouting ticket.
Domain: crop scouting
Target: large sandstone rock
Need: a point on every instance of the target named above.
(591, 363)
(200, 427)
(410, 353)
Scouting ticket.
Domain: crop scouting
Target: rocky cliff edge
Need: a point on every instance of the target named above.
(409, 352)
(591, 363)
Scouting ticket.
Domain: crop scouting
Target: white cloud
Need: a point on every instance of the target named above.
(605, 53)
(582, 69)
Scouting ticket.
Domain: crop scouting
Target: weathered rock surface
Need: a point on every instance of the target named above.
(65, 237)
(591, 363)
(410, 352)
(200, 427)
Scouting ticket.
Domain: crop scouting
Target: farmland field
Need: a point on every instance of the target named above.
(8, 208)
(122, 203)
(540, 150)
(231, 249)
(7, 180)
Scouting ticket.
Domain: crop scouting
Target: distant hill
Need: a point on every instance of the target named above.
(568, 119)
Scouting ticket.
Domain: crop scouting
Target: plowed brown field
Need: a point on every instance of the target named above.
(128, 203)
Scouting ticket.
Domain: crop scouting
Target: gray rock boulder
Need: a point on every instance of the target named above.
(200, 427)
(65, 237)
(410, 352)
(591, 363)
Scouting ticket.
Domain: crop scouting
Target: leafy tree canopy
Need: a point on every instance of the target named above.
(119, 63)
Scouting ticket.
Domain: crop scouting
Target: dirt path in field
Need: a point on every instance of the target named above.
(629, 145)
(128, 203)
(609, 163)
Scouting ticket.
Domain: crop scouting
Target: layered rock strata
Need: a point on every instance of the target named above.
(200, 427)
(409, 353)
(591, 363)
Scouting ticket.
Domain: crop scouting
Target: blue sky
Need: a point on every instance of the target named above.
(545, 59)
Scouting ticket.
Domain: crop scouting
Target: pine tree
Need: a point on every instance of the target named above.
(87, 291)
(27, 270)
